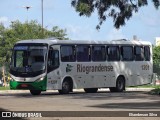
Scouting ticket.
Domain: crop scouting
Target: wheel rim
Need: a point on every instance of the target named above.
(65, 86)
(120, 84)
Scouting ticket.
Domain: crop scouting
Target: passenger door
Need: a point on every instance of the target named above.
(53, 75)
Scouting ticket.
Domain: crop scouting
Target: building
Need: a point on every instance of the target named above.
(157, 41)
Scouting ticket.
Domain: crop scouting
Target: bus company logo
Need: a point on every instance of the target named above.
(6, 114)
(20, 114)
(95, 68)
(69, 68)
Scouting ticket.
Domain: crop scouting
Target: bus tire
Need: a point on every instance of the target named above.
(90, 90)
(35, 92)
(120, 85)
(66, 87)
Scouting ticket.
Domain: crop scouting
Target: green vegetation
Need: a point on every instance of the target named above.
(145, 86)
(4, 88)
(156, 60)
(119, 10)
(155, 91)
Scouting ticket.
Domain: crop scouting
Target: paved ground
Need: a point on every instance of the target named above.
(131, 100)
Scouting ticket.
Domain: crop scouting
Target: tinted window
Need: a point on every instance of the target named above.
(127, 53)
(67, 53)
(138, 50)
(98, 53)
(53, 59)
(83, 53)
(113, 53)
(147, 53)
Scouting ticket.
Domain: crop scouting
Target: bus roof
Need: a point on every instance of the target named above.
(56, 41)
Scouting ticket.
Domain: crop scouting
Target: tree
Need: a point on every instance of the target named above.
(156, 60)
(21, 31)
(118, 10)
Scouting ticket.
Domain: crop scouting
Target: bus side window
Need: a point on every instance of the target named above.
(113, 53)
(127, 53)
(147, 53)
(53, 60)
(68, 53)
(98, 53)
(83, 53)
(139, 55)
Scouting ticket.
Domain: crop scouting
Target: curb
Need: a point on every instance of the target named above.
(139, 89)
(76, 90)
(14, 91)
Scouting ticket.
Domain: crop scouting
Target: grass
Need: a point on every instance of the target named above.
(4, 88)
(155, 91)
(146, 86)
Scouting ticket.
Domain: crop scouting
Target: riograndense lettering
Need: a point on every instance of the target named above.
(98, 68)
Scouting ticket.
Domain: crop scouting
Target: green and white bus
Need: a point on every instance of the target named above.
(64, 65)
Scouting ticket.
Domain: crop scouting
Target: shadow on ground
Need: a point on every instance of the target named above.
(130, 105)
(132, 99)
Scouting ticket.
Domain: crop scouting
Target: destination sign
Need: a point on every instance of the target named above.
(20, 47)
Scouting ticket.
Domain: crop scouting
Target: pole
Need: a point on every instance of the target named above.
(42, 17)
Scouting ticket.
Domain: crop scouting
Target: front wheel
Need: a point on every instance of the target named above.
(35, 92)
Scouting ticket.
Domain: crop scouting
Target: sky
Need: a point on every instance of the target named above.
(145, 24)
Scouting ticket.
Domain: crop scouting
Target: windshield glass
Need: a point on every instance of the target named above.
(28, 60)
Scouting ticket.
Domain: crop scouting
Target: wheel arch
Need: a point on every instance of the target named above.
(123, 76)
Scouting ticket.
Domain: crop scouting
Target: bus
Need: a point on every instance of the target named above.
(63, 65)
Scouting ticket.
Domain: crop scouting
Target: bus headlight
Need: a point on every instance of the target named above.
(11, 79)
(41, 78)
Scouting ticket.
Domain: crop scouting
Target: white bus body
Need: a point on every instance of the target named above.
(65, 65)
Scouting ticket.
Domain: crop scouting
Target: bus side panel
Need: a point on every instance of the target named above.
(85, 75)
(140, 73)
(54, 80)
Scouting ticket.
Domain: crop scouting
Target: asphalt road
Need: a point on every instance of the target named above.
(79, 101)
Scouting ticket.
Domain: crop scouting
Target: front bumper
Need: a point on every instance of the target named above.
(37, 85)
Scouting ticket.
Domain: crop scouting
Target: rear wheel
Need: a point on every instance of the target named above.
(35, 92)
(120, 85)
(66, 87)
(90, 90)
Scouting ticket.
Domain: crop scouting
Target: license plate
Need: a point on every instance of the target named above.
(24, 85)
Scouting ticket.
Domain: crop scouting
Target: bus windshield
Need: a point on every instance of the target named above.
(28, 60)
